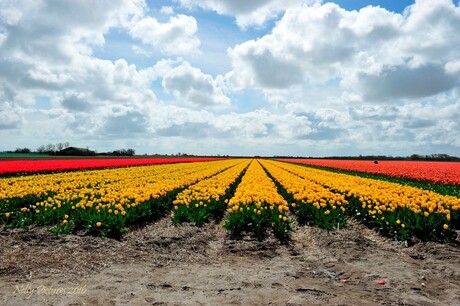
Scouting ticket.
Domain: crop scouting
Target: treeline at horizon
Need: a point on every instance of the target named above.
(64, 149)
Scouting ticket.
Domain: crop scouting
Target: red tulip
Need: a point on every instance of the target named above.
(437, 172)
(50, 165)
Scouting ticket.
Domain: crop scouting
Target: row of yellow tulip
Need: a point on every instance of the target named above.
(257, 205)
(395, 209)
(312, 202)
(208, 197)
(100, 200)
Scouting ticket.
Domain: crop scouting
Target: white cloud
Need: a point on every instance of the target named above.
(372, 51)
(247, 13)
(404, 82)
(418, 125)
(130, 124)
(10, 12)
(261, 67)
(262, 125)
(47, 52)
(191, 85)
(142, 51)
(75, 101)
(49, 46)
(10, 116)
(452, 67)
(167, 10)
(176, 37)
(307, 44)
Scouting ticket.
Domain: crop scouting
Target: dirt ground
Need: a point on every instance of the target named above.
(163, 264)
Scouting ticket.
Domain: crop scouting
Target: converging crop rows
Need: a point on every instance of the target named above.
(252, 196)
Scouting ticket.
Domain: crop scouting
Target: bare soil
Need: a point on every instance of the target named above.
(163, 264)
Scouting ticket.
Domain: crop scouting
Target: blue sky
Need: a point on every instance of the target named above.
(391, 5)
(294, 77)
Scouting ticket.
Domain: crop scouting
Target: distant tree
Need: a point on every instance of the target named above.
(130, 152)
(123, 152)
(22, 150)
(50, 148)
(60, 146)
(41, 149)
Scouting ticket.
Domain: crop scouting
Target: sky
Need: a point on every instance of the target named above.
(232, 77)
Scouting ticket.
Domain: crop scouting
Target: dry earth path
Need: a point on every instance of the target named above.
(163, 264)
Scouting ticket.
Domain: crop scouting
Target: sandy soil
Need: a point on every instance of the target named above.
(162, 264)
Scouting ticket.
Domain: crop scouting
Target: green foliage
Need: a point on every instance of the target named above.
(403, 224)
(199, 212)
(258, 218)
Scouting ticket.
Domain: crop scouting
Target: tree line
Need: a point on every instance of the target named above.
(64, 149)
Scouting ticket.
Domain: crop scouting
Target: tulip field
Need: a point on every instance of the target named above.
(249, 196)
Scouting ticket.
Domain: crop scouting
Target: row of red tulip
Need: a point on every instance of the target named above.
(52, 165)
(436, 172)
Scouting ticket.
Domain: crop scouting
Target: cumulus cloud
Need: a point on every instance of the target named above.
(376, 54)
(189, 130)
(415, 124)
(125, 125)
(373, 112)
(259, 126)
(247, 13)
(263, 68)
(191, 85)
(259, 131)
(262, 125)
(76, 102)
(167, 10)
(48, 46)
(80, 24)
(320, 41)
(10, 117)
(452, 67)
(47, 51)
(176, 37)
(405, 82)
